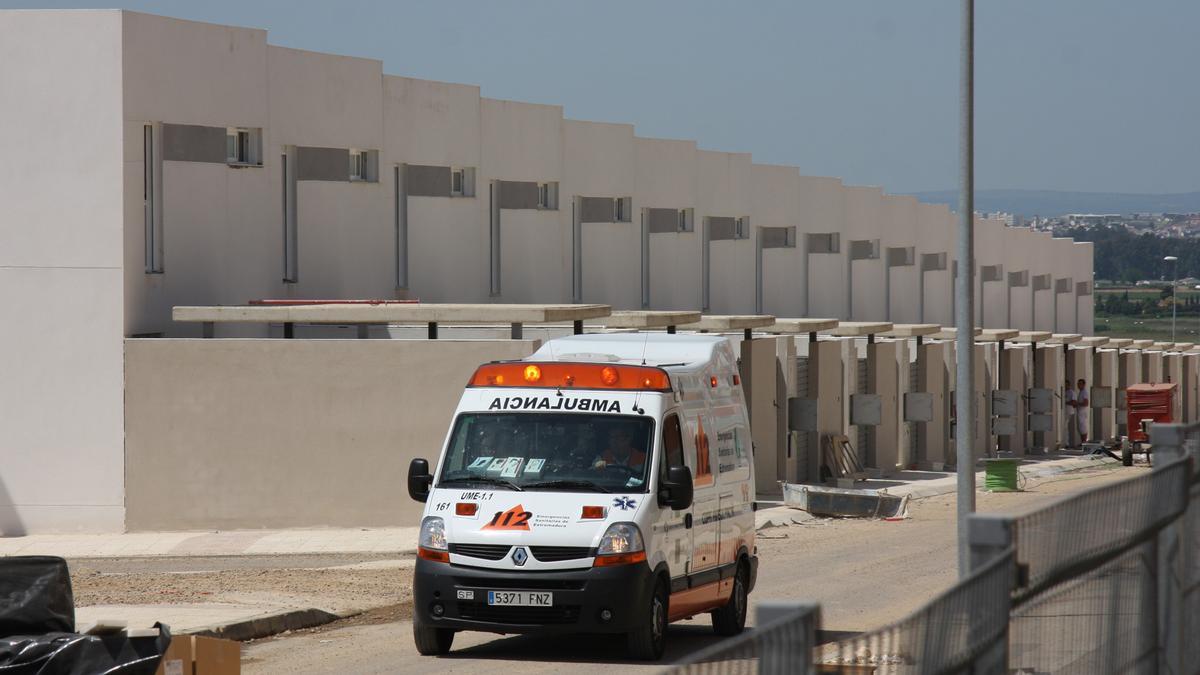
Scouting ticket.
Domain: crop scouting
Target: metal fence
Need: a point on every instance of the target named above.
(781, 645)
(1104, 582)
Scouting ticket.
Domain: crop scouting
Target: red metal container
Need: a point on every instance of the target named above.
(1148, 401)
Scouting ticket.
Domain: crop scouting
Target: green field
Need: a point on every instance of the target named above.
(1187, 329)
(1147, 316)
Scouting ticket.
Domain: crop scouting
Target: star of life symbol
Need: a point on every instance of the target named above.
(624, 503)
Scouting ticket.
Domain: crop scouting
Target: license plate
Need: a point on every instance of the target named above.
(521, 598)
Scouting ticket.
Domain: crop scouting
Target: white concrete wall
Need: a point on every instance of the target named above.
(438, 124)
(1017, 258)
(1082, 255)
(932, 237)
(862, 223)
(61, 265)
(991, 242)
(775, 202)
(666, 174)
(723, 190)
(523, 142)
(602, 160)
(898, 227)
(824, 278)
(1042, 261)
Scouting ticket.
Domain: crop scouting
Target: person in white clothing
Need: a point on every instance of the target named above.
(1082, 404)
(1068, 411)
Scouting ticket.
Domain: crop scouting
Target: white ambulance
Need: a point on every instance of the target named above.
(605, 484)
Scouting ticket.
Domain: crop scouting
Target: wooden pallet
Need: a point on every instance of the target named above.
(841, 458)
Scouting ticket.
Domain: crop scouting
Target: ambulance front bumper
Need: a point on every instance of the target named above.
(593, 600)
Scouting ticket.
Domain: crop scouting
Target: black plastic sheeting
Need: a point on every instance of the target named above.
(35, 596)
(37, 624)
(73, 654)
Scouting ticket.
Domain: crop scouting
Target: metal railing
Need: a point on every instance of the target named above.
(1106, 581)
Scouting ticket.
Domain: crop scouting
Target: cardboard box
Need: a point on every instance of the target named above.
(194, 655)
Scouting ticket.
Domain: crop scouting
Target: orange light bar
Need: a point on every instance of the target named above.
(593, 513)
(713, 380)
(465, 508)
(556, 375)
(432, 555)
(614, 559)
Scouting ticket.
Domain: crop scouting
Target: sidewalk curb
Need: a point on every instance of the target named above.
(270, 624)
(1032, 471)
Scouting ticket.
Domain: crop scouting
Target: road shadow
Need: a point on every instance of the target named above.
(683, 642)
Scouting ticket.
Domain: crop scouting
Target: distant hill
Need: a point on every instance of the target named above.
(1053, 203)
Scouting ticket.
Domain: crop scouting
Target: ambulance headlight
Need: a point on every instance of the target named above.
(433, 534)
(621, 538)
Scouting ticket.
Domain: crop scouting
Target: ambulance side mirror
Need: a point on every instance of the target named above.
(675, 490)
(419, 479)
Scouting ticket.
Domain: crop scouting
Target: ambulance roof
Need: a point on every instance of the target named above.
(651, 349)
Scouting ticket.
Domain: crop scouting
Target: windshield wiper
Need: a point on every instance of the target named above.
(568, 484)
(482, 479)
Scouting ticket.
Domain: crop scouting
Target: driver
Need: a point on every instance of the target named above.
(621, 451)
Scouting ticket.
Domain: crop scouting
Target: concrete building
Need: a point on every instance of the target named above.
(154, 162)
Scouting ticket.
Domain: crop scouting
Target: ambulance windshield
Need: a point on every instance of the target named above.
(550, 451)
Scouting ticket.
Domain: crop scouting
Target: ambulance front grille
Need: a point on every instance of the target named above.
(559, 553)
(484, 551)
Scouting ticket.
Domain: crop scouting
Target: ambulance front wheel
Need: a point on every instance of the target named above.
(731, 619)
(648, 641)
(432, 641)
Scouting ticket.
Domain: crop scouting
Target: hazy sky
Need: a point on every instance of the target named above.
(1095, 95)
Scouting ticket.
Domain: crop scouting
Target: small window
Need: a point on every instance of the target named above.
(686, 220)
(243, 146)
(462, 181)
(358, 164)
(623, 210)
(456, 182)
(672, 444)
(548, 196)
(741, 228)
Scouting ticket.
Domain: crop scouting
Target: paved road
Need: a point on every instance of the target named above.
(864, 574)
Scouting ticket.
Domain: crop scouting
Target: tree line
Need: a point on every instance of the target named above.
(1124, 257)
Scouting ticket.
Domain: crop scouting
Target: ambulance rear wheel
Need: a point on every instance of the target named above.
(432, 641)
(731, 619)
(648, 642)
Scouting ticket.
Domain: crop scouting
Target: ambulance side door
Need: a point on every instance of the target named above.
(705, 504)
(673, 525)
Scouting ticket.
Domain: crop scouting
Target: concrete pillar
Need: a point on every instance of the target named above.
(826, 386)
(1104, 378)
(1048, 374)
(1173, 372)
(985, 378)
(760, 383)
(1152, 367)
(933, 437)
(1011, 368)
(1189, 384)
(882, 380)
(785, 362)
(1129, 371)
(1079, 365)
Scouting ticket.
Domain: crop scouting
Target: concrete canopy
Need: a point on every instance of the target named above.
(860, 328)
(1093, 341)
(1034, 336)
(391, 313)
(1064, 338)
(907, 330)
(729, 322)
(998, 334)
(650, 319)
(1118, 343)
(950, 333)
(801, 325)
(1141, 344)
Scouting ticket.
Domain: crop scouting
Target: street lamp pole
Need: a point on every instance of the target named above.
(1174, 287)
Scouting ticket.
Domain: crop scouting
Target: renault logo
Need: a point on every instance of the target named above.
(520, 555)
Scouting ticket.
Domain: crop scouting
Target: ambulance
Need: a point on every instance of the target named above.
(605, 484)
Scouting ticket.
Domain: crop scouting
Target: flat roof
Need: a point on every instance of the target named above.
(649, 318)
(1118, 343)
(998, 334)
(389, 313)
(860, 328)
(1064, 338)
(1034, 336)
(723, 322)
(801, 325)
(1141, 344)
(1093, 341)
(907, 330)
(1162, 345)
(951, 333)
(1184, 346)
